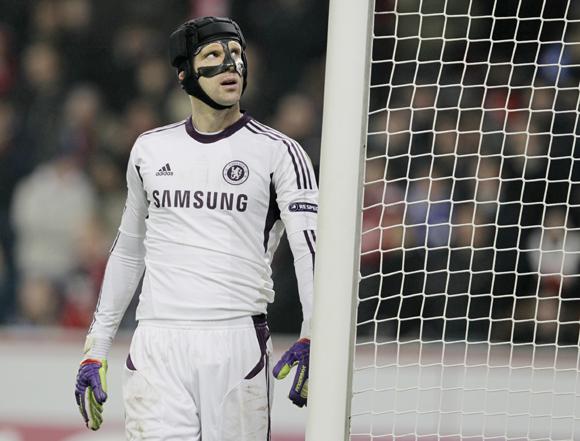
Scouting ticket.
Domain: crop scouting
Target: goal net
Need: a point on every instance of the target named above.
(469, 299)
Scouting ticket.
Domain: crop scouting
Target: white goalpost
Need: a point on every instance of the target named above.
(341, 159)
(447, 280)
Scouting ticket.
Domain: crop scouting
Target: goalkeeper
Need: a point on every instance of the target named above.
(208, 201)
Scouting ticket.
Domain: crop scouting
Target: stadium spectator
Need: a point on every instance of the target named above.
(15, 153)
(553, 255)
(80, 123)
(38, 302)
(51, 207)
(428, 209)
(41, 95)
(79, 290)
(8, 66)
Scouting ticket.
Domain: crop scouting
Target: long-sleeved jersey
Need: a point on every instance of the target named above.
(204, 215)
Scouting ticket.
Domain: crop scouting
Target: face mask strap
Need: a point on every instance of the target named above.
(226, 65)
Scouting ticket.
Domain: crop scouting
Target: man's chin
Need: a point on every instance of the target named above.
(228, 102)
(224, 99)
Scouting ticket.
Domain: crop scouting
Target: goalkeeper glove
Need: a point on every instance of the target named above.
(298, 355)
(91, 391)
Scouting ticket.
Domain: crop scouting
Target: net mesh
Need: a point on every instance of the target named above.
(468, 309)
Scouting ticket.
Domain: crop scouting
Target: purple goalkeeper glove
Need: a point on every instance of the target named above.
(91, 391)
(298, 355)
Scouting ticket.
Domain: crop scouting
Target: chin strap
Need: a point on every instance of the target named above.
(191, 85)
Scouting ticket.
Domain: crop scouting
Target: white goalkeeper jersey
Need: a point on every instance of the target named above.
(211, 209)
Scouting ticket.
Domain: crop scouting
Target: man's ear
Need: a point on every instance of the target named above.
(181, 75)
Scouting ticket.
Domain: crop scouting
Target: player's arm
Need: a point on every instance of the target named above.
(124, 270)
(297, 197)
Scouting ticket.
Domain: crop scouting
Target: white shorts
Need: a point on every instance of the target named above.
(199, 381)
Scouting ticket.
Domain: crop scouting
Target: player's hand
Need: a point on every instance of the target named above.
(298, 355)
(91, 391)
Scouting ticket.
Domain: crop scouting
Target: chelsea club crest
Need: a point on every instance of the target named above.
(236, 172)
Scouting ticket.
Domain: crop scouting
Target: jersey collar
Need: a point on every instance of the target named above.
(213, 137)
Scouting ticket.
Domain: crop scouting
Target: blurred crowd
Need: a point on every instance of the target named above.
(79, 81)
(472, 194)
(471, 201)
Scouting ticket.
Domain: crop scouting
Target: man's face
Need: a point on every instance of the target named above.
(226, 87)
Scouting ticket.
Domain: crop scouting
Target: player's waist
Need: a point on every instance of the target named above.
(228, 323)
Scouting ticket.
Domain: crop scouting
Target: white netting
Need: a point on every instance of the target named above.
(469, 302)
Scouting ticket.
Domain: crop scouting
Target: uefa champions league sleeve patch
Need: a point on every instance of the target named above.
(303, 206)
(236, 172)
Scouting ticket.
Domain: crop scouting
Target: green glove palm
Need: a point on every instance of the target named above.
(298, 355)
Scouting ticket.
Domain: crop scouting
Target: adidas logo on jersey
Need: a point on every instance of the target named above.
(164, 171)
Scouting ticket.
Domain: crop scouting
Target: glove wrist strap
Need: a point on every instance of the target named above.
(90, 361)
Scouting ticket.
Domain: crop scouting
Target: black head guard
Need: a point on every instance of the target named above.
(188, 38)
